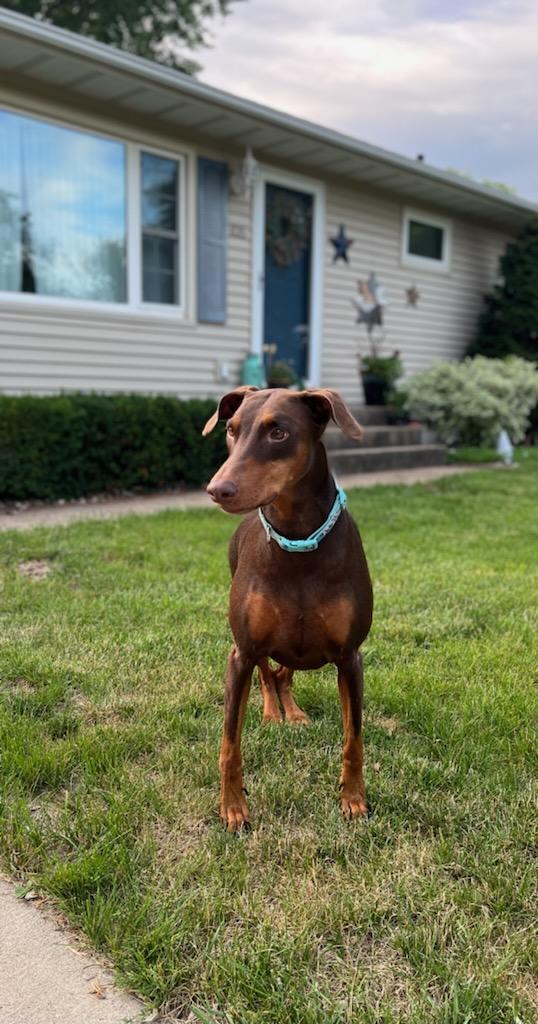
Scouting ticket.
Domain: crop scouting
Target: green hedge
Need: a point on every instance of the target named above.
(67, 446)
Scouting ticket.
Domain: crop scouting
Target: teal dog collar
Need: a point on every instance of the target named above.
(312, 542)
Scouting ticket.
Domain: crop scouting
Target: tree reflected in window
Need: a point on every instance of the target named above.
(62, 212)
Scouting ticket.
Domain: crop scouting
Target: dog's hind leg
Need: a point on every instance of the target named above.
(271, 707)
(292, 711)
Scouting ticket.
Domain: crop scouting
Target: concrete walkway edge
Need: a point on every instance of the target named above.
(46, 979)
(148, 504)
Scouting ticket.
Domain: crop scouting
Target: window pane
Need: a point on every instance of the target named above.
(62, 212)
(160, 215)
(159, 276)
(159, 192)
(425, 240)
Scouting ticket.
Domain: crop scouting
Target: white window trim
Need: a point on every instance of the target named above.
(134, 233)
(425, 262)
(133, 306)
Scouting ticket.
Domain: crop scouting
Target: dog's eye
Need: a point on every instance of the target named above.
(277, 434)
(230, 430)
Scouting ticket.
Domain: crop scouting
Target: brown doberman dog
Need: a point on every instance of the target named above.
(298, 599)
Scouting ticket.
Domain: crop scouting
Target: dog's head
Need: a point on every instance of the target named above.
(272, 437)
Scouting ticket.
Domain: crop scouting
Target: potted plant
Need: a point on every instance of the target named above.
(379, 374)
(397, 414)
(280, 375)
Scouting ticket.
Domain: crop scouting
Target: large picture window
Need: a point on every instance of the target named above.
(425, 241)
(86, 218)
(62, 212)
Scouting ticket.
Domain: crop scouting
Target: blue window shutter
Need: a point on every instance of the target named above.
(212, 232)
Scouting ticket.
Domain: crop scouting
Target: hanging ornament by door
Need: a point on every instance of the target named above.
(287, 232)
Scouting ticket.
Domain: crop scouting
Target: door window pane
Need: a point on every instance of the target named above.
(62, 212)
(160, 230)
(425, 240)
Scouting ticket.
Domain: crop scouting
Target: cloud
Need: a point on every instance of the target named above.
(459, 84)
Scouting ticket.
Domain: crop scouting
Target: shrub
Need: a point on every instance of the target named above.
(67, 446)
(508, 324)
(472, 401)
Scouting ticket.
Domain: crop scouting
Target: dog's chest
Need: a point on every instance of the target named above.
(295, 620)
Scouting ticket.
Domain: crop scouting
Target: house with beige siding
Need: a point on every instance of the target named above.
(155, 231)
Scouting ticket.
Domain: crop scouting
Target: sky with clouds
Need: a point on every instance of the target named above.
(455, 80)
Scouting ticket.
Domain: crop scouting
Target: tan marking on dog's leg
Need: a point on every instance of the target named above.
(352, 791)
(292, 711)
(233, 806)
(271, 707)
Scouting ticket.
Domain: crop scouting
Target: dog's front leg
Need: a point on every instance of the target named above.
(352, 792)
(233, 806)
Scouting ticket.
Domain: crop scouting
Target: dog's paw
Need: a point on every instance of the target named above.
(353, 805)
(297, 717)
(272, 718)
(234, 817)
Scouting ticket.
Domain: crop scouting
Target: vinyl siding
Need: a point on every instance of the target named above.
(444, 319)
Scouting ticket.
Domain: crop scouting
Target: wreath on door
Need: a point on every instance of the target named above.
(287, 232)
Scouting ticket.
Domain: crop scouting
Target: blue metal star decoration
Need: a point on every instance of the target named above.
(341, 245)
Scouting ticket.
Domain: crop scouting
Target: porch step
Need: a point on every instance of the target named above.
(370, 415)
(375, 436)
(369, 460)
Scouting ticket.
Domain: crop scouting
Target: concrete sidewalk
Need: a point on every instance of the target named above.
(45, 979)
(147, 504)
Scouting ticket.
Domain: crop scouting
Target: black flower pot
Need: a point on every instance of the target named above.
(375, 388)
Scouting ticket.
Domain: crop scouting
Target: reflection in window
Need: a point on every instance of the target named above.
(160, 250)
(425, 240)
(62, 212)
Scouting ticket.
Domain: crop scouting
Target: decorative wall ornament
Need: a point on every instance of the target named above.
(244, 176)
(287, 231)
(370, 303)
(412, 295)
(341, 245)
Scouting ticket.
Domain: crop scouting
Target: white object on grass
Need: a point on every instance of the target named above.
(505, 448)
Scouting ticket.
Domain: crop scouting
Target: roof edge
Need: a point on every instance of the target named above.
(45, 32)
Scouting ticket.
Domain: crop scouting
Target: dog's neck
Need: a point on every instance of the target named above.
(304, 506)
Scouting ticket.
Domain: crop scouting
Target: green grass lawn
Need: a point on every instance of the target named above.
(110, 716)
(470, 454)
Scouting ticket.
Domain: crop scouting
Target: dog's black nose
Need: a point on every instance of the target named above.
(222, 490)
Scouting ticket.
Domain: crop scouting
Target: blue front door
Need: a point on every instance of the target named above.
(288, 244)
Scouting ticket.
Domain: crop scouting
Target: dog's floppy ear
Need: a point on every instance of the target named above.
(326, 404)
(227, 406)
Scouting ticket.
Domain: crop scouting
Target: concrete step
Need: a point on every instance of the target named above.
(369, 415)
(368, 460)
(375, 436)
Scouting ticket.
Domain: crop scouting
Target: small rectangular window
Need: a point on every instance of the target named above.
(160, 229)
(425, 241)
